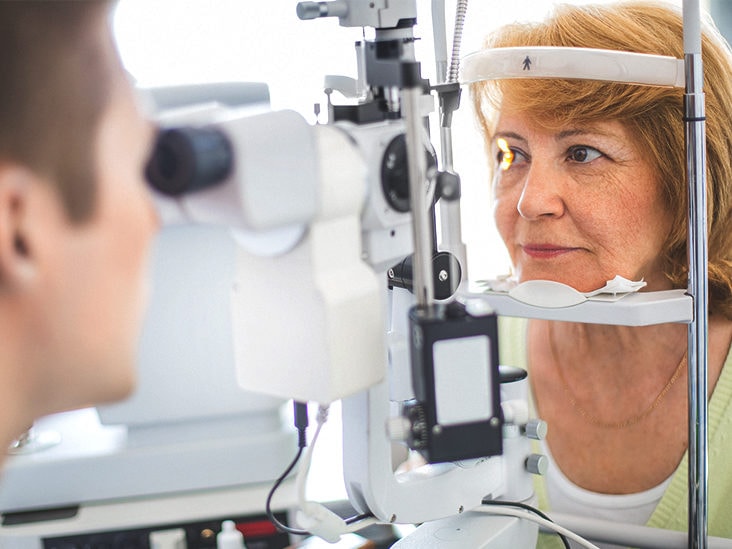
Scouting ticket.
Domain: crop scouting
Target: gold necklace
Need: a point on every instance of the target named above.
(594, 420)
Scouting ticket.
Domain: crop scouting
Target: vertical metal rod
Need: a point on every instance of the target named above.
(694, 126)
(439, 36)
(423, 284)
(697, 332)
(450, 210)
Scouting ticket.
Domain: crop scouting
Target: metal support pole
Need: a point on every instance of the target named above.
(439, 37)
(423, 283)
(698, 275)
(450, 210)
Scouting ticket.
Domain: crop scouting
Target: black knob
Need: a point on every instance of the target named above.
(446, 274)
(188, 159)
(395, 173)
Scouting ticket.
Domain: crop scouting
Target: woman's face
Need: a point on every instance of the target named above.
(579, 204)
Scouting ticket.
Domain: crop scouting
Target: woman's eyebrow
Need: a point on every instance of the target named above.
(559, 136)
(571, 132)
(574, 132)
(511, 135)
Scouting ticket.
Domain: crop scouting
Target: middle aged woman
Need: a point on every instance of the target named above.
(589, 183)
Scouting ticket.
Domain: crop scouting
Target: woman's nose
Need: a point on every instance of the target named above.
(541, 196)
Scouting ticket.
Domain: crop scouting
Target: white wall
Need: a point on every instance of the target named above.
(165, 42)
(168, 42)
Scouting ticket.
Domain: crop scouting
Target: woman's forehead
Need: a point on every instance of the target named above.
(546, 123)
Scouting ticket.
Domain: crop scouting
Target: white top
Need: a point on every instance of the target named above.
(566, 497)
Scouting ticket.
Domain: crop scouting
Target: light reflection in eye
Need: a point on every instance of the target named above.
(506, 155)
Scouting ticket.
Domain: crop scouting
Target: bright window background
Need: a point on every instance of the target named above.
(169, 42)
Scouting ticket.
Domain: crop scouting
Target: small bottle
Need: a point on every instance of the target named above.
(229, 537)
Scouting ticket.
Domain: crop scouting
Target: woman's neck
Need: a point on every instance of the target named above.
(617, 347)
(603, 368)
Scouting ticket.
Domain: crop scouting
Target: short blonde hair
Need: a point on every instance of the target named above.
(653, 114)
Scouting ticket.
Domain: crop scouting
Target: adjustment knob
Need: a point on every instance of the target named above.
(313, 10)
(536, 429)
(308, 10)
(537, 464)
(399, 428)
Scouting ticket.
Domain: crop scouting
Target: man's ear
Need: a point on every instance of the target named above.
(17, 265)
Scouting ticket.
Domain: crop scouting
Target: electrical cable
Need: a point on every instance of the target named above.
(268, 507)
(358, 518)
(304, 469)
(526, 515)
(527, 508)
(354, 523)
(360, 522)
(300, 410)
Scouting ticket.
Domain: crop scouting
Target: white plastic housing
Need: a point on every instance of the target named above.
(581, 63)
(274, 180)
(309, 324)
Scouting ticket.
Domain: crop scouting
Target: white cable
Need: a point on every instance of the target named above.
(302, 472)
(313, 516)
(520, 513)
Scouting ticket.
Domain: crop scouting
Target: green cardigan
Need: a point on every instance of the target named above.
(672, 511)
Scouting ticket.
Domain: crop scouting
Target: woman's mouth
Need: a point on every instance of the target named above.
(545, 251)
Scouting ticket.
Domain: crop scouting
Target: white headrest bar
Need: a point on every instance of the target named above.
(568, 63)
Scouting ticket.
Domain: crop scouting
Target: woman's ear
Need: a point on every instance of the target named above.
(17, 266)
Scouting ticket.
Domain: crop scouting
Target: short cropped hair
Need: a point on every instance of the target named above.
(54, 86)
(652, 114)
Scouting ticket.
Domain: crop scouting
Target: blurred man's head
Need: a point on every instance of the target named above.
(75, 218)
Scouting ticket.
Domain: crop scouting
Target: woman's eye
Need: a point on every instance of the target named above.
(582, 154)
(507, 156)
(505, 159)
